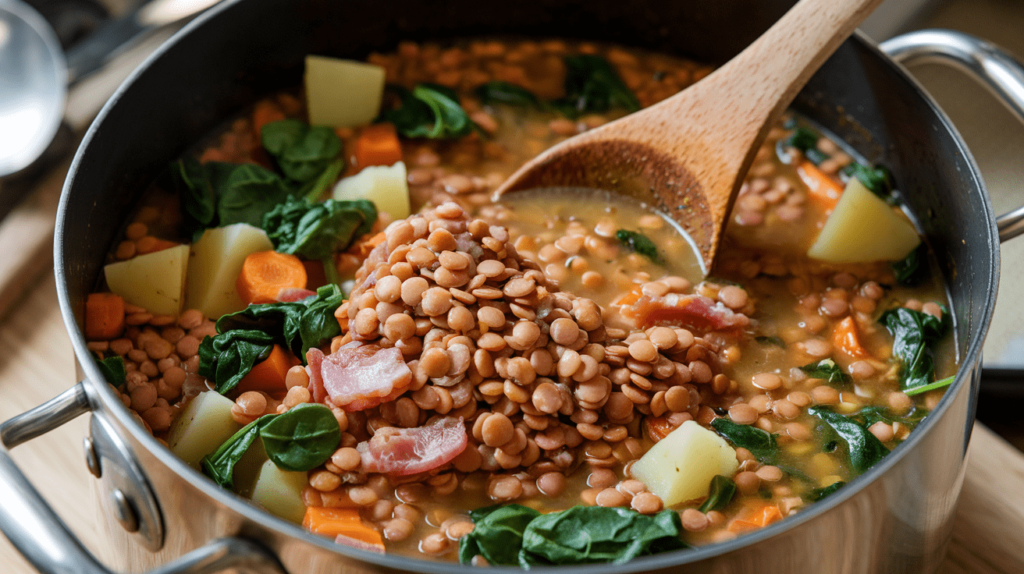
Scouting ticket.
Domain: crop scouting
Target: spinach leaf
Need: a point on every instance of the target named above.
(772, 340)
(297, 325)
(592, 85)
(639, 243)
(497, 534)
(592, 534)
(913, 268)
(429, 111)
(301, 438)
(877, 179)
(112, 368)
(227, 358)
(863, 448)
(220, 464)
(315, 188)
(318, 230)
(760, 443)
(826, 369)
(871, 415)
(303, 152)
(930, 387)
(818, 493)
(803, 139)
(197, 194)
(720, 495)
(498, 92)
(914, 333)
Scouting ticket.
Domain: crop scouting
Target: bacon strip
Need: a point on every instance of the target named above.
(695, 311)
(402, 452)
(358, 376)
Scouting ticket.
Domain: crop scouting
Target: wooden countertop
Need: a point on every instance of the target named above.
(39, 363)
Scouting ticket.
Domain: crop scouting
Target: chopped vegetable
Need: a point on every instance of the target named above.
(931, 387)
(297, 325)
(720, 494)
(386, 187)
(205, 423)
(768, 514)
(846, 338)
(863, 448)
(280, 491)
(227, 358)
(430, 111)
(345, 522)
(826, 369)
(515, 535)
(681, 465)
(301, 151)
(302, 438)
(878, 179)
(760, 443)
(593, 85)
(848, 237)
(265, 273)
(268, 375)
(104, 316)
(818, 493)
(821, 188)
(377, 145)
(342, 93)
(112, 368)
(912, 269)
(639, 243)
(914, 334)
(803, 139)
(264, 113)
(497, 92)
(154, 281)
(214, 265)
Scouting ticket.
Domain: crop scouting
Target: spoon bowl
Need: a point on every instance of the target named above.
(688, 155)
(32, 93)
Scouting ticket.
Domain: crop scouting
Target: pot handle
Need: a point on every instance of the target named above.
(990, 65)
(43, 539)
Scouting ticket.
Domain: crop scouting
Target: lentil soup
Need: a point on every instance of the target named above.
(408, 367)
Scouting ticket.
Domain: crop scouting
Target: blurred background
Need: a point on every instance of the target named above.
(114, 36)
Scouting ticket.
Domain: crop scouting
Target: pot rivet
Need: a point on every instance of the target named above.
(124, 512)
(91, 460)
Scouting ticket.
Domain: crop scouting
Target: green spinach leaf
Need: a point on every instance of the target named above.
(112, 368)
(863, 448)
(249, 192)
(912, 269)
(639, 243)
(297, 325)
(220, 464)
(721, 492)
(498, 92)
(301, 438)
(871, 415)
(497, 534)
(826, 369)
(595, 534)
(318, 230)
(803, 139)
(818, 493)
(593, 85)
(877, 179)
(303, 152)
(931, 386)
(760, 443)
(430, 111)
(227, 358)
(914, 333)
(315, 188)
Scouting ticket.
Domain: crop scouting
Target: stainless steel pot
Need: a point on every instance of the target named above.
(895, 518)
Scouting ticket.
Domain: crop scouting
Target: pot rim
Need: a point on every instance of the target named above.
(111, 405)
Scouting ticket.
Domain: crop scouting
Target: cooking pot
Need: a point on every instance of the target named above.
(895, 518)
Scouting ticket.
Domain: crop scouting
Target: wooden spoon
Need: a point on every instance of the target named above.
(688, 154)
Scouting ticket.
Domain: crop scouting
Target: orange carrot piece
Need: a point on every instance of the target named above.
(823, 189)
(769, 514)
(265, 273)
(658, 427)
(265, 113)
(846, 339)
(362, 247)
(150, 244)
(104, 316)
(629, 298)
(268, 375)
(333, 522)
(377, 145)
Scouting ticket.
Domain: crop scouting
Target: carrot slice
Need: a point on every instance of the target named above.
(824, 190)
(769, 514)
(333, 522)
(377, 145)
(265, 273)
(846, 339)
(150, 244)
(658, 427)
(104, 316)
(265, 113)
(268, 375)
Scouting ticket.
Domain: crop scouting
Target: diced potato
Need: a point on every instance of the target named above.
(247, 469)
(385, 186)
(154, 281)
(202, 427)
(863, 228)
(216, 261)
(681, 465)
(280, 491)
(342, 93)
